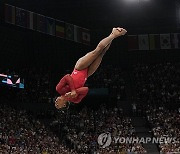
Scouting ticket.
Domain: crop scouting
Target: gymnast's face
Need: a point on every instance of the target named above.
(60, 102)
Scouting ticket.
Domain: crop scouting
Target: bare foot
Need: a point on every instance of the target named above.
(116, 32)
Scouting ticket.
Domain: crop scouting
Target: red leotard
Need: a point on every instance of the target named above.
(79, 77)
(75, 81)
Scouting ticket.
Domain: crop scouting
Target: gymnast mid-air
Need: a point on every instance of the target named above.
(71, 86)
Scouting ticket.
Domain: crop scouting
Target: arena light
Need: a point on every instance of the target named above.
(136, 1)
(131, 1)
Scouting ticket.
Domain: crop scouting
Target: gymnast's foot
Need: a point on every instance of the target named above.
(116, 32)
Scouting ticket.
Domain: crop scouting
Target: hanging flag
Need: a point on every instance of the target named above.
(175, 40)
(77, 34)
(60, 29)
(35, 21)
(9, 14)
(143, 42)
(22, 17)
(86, 36)
(154, 41)
(50, 25)
(69, 31)
(31, 20)
(41, 23)
(132, 42)
(165, 41)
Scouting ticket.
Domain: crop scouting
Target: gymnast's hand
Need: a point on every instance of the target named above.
(71, 94)
(116, 32)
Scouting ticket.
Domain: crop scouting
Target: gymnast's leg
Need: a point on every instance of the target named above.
(89, 58)
(95, 64)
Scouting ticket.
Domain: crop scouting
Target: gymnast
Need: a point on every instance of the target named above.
(71, 86)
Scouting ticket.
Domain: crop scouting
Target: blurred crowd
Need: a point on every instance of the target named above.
(111, 78)
(80, 130)
(37, 86)
(37, 83)
(165, 123)
(158, 84)
(77, 132)
(20, 133)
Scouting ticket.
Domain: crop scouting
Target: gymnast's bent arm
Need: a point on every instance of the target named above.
(81, 93)
(66, 80)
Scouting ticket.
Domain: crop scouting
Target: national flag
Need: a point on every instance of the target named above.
(34, 19)
(86, 36)
(165, 41)
(50, 25)
(60, 29)
(9, 14)
(69, 31)
(143, 42)
(22, 17)
(77, 34)
(41, 23)
(31, 21)
(154, 41)
(175, 40)
(132, 42)
(177, 7)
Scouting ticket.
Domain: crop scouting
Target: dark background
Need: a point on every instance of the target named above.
(138, 16)
(26, 49)
(21, 47)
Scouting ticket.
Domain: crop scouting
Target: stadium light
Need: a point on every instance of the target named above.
(136, 1)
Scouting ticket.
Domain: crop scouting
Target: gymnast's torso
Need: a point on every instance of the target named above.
(79, 77)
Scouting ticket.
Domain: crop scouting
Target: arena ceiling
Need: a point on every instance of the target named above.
(104, 13)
